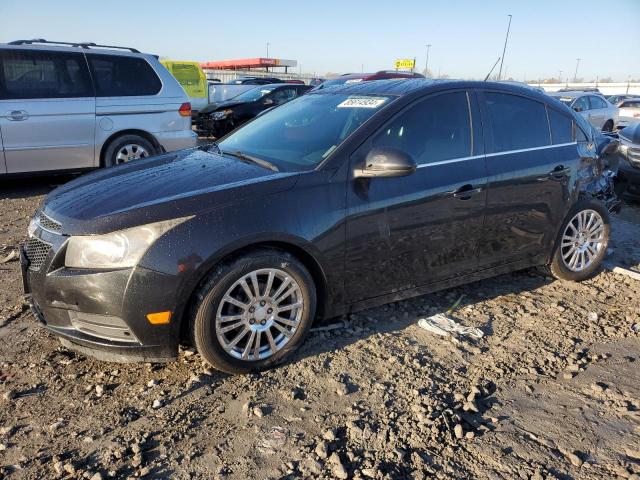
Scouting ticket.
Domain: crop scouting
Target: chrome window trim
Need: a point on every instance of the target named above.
(507, 152)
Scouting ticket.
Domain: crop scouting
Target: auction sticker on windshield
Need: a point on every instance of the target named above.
(362, 102)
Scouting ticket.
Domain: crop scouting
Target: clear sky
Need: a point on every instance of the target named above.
(344, 36)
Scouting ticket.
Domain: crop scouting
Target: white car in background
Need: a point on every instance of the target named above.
(76, 106)
(592, 106)
(629, 112)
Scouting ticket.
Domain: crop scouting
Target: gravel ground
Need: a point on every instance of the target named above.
(551, 391)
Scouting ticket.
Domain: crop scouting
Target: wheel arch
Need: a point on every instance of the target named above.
(120, 133)
(302, 254)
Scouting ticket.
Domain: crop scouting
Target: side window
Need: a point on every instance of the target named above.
(561, 127)
(35, 74)
(119, 76)
(435, 129)
(581, 104)
(284, 95)
(597, 102)
(516, 122)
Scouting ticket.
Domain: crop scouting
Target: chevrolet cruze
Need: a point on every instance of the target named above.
(342, 199)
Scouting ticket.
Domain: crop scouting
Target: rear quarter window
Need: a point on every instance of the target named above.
(119, 76)
(562, 127)
(516, 122)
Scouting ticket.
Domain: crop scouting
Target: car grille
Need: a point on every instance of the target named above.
(36, 251)
(49, 224)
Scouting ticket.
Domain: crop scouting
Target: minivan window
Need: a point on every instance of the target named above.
(561, 127)
(119, 76)
(300, 134)
(516, 122)
(32, 74)
(434, 130)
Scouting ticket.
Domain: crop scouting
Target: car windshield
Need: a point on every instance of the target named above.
(298, 135)
(254, 94)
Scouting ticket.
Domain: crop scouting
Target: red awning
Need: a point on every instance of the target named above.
(245, 63)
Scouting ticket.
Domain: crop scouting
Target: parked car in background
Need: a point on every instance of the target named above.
(337, 201)
(364, 77)
(630, 151)
(193, 80)
(70, 106)
(220, 118)
(614, 99)
(629, 112)
(255, 81)
(592, 106)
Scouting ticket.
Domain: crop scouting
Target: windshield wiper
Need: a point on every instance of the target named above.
(250, 159)
(208, 146)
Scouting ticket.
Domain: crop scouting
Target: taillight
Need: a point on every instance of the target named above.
(185, 109)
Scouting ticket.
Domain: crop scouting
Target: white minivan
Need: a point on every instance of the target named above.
(69, 107)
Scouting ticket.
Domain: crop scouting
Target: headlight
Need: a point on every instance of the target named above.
(120, 249)
(221, 115)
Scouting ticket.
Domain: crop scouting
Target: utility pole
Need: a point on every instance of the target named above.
(426, 65)
(267, 54)
(575, 75)
(560, 77)
(506, 39)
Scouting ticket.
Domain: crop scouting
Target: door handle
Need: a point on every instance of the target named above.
(17, 115)
(465, 192)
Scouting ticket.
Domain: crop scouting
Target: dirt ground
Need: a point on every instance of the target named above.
(551, 392)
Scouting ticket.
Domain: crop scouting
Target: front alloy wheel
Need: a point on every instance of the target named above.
(259, 314)
(252, 312)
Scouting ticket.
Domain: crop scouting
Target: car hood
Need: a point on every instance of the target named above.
(214, 107)
(167, 186)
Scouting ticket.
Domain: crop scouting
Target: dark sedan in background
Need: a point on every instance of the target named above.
(339, 200)
(218, 119)
(630, 166)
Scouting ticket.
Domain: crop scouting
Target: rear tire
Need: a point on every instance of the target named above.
(608, 126)
(128, 148)
(242, 322)
(582, 242)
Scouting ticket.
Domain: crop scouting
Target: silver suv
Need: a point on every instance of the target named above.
(592, 106)
(66, 106)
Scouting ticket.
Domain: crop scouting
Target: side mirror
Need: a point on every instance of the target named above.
(268, 101)
(386, 162)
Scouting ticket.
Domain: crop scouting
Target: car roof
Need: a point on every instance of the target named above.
(403, 87)
(68, 48)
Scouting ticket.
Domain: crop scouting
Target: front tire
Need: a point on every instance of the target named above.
(582, 242)
(251, 313)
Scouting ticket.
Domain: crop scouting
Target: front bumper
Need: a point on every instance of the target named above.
(102, 313)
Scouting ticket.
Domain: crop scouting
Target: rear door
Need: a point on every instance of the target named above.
(47, 110)
(598, 111)
(528, 176)
(409, 231)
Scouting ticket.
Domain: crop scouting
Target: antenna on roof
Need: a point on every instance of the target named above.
(494, 66)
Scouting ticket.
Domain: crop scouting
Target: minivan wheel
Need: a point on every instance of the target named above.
(128, 148)
(608, 126)
(250, 314)
(582, 242)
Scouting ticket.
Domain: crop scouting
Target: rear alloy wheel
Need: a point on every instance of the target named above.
(128, 148)
(583, 242)
(252, 313)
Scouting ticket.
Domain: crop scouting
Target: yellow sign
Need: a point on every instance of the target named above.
(408, 63)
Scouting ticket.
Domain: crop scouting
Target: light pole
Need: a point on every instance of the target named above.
(575, 75)
(268, 49)
(426, 65)
(505, 48)
(560, 77)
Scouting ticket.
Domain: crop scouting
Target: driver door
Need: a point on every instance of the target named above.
(408, 231)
